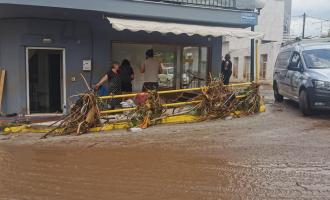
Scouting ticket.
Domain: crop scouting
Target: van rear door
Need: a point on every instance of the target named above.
(281, 70)
(294, 75)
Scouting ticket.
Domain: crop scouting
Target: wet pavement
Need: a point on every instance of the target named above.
(275, 155)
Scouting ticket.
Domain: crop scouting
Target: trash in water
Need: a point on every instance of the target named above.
(135, 130)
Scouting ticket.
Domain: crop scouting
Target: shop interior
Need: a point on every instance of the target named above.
(183, 66)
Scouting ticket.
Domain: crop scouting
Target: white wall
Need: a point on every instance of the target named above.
(271, 20)
(271, 49)
(271, 23)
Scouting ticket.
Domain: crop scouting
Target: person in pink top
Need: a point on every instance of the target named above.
(151, 67)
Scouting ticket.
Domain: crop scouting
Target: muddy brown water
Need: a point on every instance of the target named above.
(276, 155)
(129, 173)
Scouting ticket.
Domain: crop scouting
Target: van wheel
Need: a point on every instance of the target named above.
(277, 96)
(304, 103)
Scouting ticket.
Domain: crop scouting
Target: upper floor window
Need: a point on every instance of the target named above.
(235, 68)
(247, 66)
(263, 66)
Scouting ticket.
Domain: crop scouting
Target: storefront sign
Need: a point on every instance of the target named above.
(249, 18)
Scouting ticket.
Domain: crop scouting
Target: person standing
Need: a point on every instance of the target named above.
(150, 68)
(126, 76)
(113, 78)
(226, 69)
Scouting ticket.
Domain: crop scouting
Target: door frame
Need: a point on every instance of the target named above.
(63, 84)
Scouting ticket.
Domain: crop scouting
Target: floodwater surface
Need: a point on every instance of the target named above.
(275, 155)
(127, 173)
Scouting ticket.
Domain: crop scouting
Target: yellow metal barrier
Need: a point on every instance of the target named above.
(105, 127)
(171, 105)
(169, 91)
(123, 125)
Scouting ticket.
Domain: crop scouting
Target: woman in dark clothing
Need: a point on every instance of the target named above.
(226, 69)
(113, 77)
(126, 76)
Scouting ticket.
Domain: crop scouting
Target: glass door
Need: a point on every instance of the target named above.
(166, 55)
(194, 66)
(135, 53)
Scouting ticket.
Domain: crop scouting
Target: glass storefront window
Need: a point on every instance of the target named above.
(195, 66)
(181, 66)
(167, 58)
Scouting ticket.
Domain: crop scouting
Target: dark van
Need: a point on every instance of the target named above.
(302, 74)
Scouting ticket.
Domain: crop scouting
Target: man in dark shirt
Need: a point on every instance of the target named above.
(226, 69)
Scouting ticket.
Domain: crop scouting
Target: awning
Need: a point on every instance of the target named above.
(177, 29)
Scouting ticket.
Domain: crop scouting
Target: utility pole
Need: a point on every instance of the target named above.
(304, 26)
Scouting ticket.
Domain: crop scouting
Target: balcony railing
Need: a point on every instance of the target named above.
(207, 3)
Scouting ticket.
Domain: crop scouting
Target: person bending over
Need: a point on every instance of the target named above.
(113, 78)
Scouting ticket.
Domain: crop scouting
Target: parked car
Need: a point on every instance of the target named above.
(302, 74)
(166, 77)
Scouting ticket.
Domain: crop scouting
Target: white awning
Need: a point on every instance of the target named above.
(177, 29)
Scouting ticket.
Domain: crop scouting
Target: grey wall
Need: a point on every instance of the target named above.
(20, 33)
(82, 40)
(150, 10)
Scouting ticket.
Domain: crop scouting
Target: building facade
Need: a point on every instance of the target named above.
(274, 22)
(46, 45)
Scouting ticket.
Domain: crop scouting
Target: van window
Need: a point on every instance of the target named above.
(317, 58)
(283, 60)
(295, 61)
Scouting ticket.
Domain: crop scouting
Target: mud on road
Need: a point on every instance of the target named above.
(274, 155)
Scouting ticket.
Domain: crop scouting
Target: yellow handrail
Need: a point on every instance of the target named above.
(170, 105)
(168, 91)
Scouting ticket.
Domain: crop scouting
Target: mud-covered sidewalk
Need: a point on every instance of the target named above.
(274, 155)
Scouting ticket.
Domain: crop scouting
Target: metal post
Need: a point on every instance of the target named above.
(304, 25)
(252, 57)
(257, 62)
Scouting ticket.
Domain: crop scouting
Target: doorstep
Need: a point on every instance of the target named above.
(29, 119)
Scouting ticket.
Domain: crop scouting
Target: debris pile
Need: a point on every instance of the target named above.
(217, 101)
(147, 113)
(84, 115)
(214, 102)
(252, 101)
(220, 101)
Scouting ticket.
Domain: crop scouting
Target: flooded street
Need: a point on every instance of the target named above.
(275, 155)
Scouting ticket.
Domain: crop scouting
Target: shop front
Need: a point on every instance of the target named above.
(189, 53)
(44, 48)
(183, 66)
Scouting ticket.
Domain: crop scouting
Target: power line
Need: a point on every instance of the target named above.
(297, 16)
(319, 18)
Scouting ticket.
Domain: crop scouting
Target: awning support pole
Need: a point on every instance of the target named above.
(252, 57)
(257, 61)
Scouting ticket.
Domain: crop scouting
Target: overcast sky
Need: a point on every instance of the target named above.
(315, 8)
